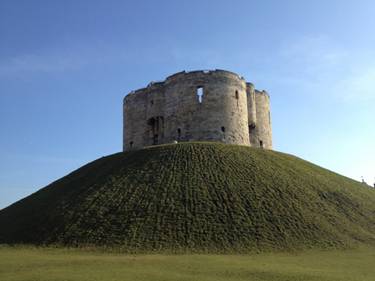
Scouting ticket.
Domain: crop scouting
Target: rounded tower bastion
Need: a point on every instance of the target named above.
(216, 105)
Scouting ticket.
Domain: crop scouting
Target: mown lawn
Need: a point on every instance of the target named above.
(48, 264)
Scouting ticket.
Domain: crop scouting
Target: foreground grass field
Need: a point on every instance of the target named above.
(47, 264)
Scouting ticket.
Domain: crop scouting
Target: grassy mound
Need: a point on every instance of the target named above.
(196, 197)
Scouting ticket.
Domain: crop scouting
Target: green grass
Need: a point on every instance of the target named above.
(196, 197)
(46, 264)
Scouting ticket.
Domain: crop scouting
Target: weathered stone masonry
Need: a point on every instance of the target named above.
(215, 105)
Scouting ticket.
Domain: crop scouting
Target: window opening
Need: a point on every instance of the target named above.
(131, 144)
(236, 96)
(261, 144)
(223, 131)
(200, 94)
(269, 118)
(179, 133)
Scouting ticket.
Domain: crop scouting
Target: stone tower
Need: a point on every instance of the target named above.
(215, 105)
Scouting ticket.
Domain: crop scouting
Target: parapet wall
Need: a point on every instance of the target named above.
(197, 106)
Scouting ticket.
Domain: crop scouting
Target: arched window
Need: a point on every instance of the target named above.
(237, 95)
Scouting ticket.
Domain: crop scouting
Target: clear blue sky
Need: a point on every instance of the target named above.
(66, 65)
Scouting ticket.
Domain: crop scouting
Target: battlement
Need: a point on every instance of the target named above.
(262, 92)
(200, 73)
(202, 105)
(189, 75)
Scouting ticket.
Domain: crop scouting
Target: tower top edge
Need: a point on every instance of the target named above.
(203, 72)
(157, 84)
(262, 92)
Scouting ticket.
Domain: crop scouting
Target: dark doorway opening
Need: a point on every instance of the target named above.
(156, 129)
(155, 140)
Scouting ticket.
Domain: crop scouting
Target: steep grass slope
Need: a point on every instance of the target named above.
(196, 197)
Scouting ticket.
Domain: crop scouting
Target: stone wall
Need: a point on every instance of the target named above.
(261, 134)
(197, 106)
